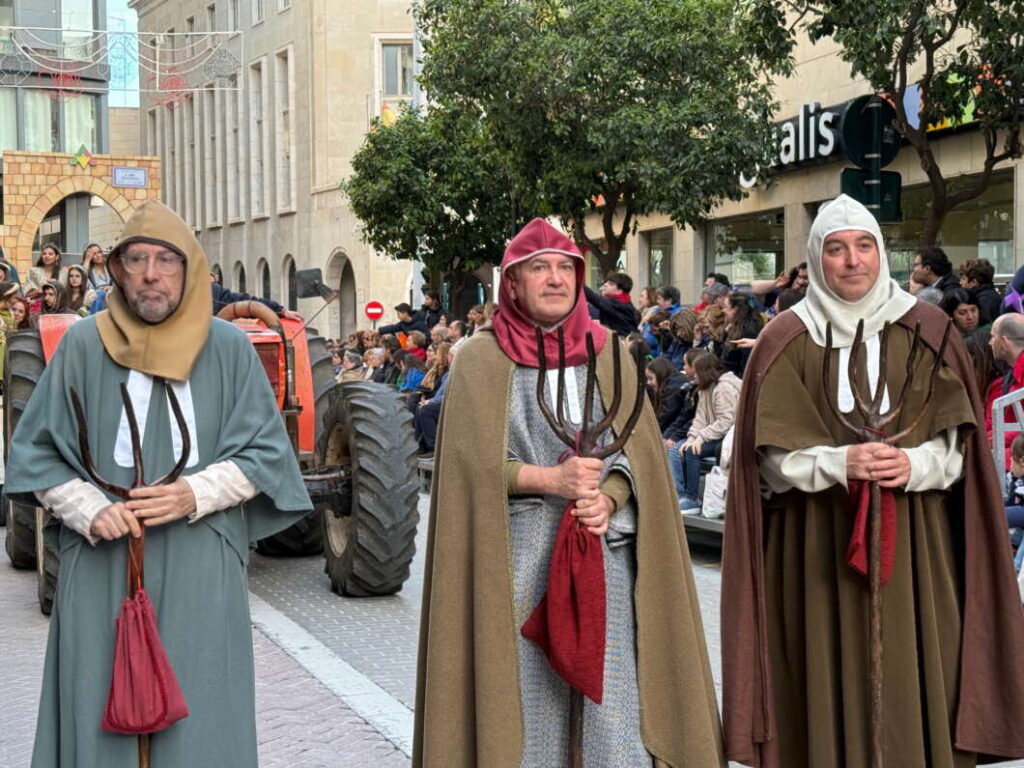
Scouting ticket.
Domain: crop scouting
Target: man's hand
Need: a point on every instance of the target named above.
(578, 478)
(290, 315)
(887, 465)
(162, 504)
(115, 521)
(669, 444)
(595, 513)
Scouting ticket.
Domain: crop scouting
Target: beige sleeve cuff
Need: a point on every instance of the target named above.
(219, 486)
(75, 503)
(936, 464)
(512, 477)
(810, 470)
(616, 487)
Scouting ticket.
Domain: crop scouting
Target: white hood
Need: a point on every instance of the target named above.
(886, 302)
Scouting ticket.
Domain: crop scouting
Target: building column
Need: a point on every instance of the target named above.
(798, 228)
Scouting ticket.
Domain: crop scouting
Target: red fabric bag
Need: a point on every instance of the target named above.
(569, 622)
(144, 693)
(857, 552)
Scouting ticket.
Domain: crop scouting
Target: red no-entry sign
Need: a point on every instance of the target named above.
(374, 310)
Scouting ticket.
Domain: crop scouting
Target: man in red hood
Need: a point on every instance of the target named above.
(514, 513)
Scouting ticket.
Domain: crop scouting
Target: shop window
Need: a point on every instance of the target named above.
(8, 118)
(595, 275)
(747, 248)
(80, 123)
(41, 122)
(980, 228)
(659, 256)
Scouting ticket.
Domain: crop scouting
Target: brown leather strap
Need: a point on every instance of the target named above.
(136, 573)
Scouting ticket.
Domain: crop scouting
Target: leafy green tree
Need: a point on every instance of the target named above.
(615, 107)
(960, 53)
(432, 187)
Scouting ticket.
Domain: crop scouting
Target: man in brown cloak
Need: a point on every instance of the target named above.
(794, 611)
(486, 696)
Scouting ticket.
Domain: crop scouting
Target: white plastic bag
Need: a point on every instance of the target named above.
(715, 483)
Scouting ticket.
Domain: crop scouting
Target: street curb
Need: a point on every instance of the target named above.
(392, 719)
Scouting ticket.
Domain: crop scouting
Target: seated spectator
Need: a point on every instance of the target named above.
(977, 276)
(390, 372)
(429, 411)
(371, 339)
(351, 367)
(416, 344)
(963, 308)
(48, 267)
(437, 367)
(1014, 499)
(673, 398)
(406, 324)
(648, 302)
(1007, 340)
(10, 269)
(8, 292)
(679, 336)
(438, 334)
(97, 276)
(986, 372)
(718, 393)
(373, 362)
(707, 297)
(667, 298)
(432, 313)
(614, 306)
(20, 312)
(710, 331)
(929, 294)
(475, 318)
(636, 344)
(743, 321)
(337, 363)
(1013, 297)
(456, 331)
(787, 298)
(79, 298)
(55, 302)
(413, 370)
(932, 267)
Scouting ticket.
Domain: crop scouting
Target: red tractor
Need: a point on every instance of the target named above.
(354, 442)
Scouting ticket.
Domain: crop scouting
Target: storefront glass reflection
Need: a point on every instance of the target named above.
(747, 248)
(980, 228)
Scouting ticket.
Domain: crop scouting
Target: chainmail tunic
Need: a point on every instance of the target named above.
(611, 737)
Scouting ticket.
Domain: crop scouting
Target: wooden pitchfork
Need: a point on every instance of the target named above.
(874, 431)
(136, 546)
(585, 444)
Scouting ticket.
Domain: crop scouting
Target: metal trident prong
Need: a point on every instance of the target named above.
(133, 428)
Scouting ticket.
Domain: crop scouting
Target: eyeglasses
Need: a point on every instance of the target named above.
(166, 263)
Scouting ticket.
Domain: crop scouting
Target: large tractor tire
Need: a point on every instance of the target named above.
(23, 366)
(370, 544)
(306, 536)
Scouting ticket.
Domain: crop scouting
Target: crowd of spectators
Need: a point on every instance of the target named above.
(413, 355)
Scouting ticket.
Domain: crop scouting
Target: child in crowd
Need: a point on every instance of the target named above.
(1015, 498)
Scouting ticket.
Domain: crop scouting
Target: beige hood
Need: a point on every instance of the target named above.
(169, 348)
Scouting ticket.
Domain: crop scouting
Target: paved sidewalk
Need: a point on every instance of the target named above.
(301, 723)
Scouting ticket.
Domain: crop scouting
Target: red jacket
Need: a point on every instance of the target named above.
(1011, 382)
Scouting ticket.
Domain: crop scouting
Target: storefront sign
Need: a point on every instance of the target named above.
(126, 176)
(809, 137)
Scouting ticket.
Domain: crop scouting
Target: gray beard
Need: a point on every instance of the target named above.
(151, 316)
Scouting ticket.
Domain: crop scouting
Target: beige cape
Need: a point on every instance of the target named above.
(467, 690)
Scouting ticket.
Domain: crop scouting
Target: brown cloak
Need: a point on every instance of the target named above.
(991, 678)
(467, 689)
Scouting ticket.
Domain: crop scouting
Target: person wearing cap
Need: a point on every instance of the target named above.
(795, 597)
(408, 321)
(241, 483)
(487, 694)
(8, 292)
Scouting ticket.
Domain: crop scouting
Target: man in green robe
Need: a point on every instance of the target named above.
(241, 483)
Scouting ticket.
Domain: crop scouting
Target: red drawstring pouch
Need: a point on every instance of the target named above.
(144, 693)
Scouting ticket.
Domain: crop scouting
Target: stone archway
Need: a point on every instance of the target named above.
(341, 277)
(34, 182)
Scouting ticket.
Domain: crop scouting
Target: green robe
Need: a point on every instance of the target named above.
(194, 572)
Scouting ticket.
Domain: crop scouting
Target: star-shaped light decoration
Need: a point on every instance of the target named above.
(83, 158)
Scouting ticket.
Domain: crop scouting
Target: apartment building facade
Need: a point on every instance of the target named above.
(767, 231)
(253, 160)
